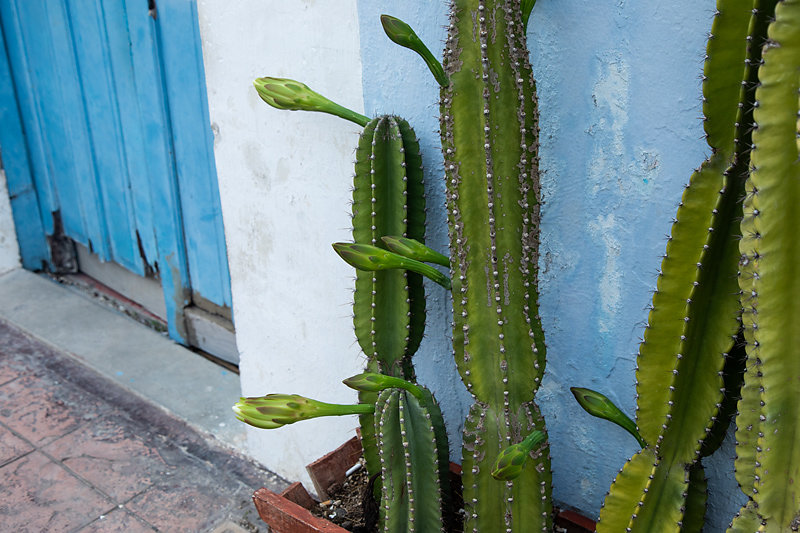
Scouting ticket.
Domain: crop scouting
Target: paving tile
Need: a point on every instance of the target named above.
(41, 408)
(39, 495)
(112, 455)
(117, 521)
(191, 499)
(11, 446)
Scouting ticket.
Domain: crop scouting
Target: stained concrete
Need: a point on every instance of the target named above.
(142, 361)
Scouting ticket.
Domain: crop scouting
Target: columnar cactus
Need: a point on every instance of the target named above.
(768, 423)
(490, 139)
(402, 429)
(693, 323)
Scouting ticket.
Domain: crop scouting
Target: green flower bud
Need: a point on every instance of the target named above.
(512, 460)
(371, 258)
(414, 249)
(276, 410)
(283, 93)
(402, 34)
(598, 405)
(372, 382)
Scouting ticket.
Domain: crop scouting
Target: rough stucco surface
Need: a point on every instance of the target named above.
(9, 251)
(285, 181)
(619, 95)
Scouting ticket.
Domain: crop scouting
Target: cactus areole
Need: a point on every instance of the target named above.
(489, 141)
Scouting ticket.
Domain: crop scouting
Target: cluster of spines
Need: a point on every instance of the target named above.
(680, 384)
(489, 140)
(768, 460)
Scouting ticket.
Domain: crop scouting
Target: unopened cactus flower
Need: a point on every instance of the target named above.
(370, 258)
(283, 93)
(373, 382)
(512, 460)
(402, 34)
(275, 410)
(413, 249)
(600, 406)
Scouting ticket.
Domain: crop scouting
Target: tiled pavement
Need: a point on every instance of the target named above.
(80, 453)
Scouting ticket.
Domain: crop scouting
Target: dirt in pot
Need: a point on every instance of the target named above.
(351, 506)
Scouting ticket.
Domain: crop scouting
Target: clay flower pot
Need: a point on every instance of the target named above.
(289, 511)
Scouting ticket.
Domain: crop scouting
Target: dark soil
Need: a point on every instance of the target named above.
(346, 505)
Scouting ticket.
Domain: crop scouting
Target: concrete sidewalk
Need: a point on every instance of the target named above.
(81, 452)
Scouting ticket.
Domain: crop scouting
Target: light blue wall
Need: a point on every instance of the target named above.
(619, 93)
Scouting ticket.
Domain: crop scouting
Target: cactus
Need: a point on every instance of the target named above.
(693, 323)
(768, 423)
(412, 443)
(489, 140)
(402, 429)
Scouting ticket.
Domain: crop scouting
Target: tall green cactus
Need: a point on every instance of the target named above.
(768, 423)
(490, 139)
(693, 323)
(402, 429)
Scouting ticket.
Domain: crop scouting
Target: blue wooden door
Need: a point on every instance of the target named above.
(106, 140)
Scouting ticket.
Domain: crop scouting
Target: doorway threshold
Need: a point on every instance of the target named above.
(136, 357)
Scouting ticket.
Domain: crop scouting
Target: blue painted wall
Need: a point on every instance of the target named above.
(619, 92)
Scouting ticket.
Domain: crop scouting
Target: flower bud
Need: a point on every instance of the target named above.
(512, 460)
(414, 249)
(600, 406)
(402, 34)
(283, 93)
(276, 410)
(371, 258)
(373, 382)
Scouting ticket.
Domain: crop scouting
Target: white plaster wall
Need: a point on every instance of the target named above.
(285, 180)
(9, 250)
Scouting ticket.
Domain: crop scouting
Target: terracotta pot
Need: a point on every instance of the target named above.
(288, 512)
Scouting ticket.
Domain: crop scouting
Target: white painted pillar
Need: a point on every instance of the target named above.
(285, 180)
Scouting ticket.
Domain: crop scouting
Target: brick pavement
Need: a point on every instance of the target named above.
(80, 453)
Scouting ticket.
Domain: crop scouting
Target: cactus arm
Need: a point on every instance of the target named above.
(724, 69)
(696, 497)
(710, 307)
(771, 251)
(747, 520)
(411, 492)
(527, 7)
(489, 141)
(291, 95)
(402, 34)
(627, 490)
(667, 335)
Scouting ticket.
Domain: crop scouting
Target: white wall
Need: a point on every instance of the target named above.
(285, 180)
(9, 250)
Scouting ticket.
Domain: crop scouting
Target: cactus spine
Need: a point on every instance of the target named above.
(693, 323)
(768, 448)
(489, 140)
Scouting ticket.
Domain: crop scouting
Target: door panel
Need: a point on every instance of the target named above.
(111, 96)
